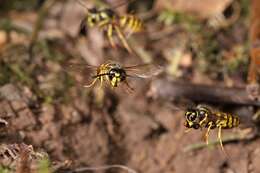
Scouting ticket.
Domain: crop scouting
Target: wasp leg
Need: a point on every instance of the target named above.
(132, 25)
(110, 35)
(109, 31)
(103, 24)
(220, 139)
(128, 87)
(207, 133)
(122, 38)
(91, 84)
(101, 82)
(221, 143)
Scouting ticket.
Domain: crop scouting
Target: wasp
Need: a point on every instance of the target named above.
(111, 22)
(204, 117)
(114, 74)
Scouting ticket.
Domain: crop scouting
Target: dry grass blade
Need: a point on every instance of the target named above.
(105, 167)
(245, 135)
(173, 91)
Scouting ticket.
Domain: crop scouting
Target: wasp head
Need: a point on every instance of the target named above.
(92, 18)
(192, 119)
(116, 75)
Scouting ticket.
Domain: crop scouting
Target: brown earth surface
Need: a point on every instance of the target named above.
(45, 108)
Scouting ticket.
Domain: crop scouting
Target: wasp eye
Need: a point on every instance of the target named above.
(191, 116)
(114, 73)
(202, 112)
(111, 74)
(93, 20)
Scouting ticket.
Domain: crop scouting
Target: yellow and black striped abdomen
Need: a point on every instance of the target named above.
(227, 121)
(131, 22)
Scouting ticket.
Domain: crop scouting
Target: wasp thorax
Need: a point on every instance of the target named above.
(117, 73)
(203, 112)
(107, 13)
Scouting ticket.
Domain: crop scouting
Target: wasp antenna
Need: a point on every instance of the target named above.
(129, 88)
(91, 84)
(82, 4)
(123, 3)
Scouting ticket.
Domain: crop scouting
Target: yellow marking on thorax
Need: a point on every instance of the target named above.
(203, 121)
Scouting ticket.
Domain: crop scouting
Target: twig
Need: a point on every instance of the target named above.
(176, 91)
(105, 167)
(200, 145)
(255, 43)
(228, 139)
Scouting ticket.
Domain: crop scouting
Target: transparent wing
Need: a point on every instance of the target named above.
(82, 73)
(80, 66)
(182, 104)
(144, 70)
(122, 3)
(82, 4)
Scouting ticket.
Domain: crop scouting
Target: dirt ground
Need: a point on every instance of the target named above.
(76, 127)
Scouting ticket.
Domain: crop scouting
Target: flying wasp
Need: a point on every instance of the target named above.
(114, 74)
(109, 21)
(204, 117)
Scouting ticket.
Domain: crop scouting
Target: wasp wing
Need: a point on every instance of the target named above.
(82, 73)
(144, 70)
